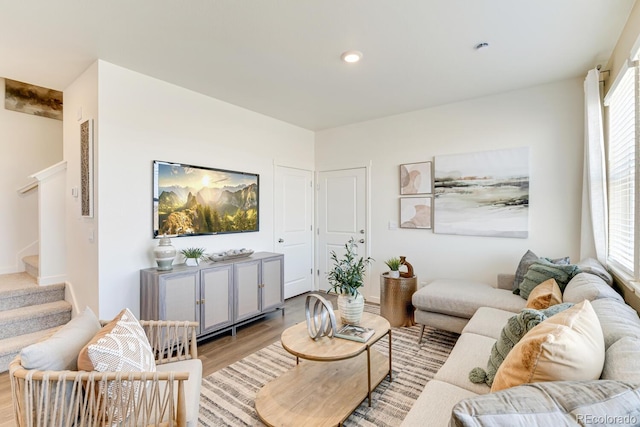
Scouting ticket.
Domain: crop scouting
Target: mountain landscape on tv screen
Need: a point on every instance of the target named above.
(185, 210)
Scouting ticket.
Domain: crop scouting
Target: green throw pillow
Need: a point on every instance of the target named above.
(543, 270)
(516, 327)
(526, 261)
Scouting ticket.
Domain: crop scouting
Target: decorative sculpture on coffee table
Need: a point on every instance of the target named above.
(321, 320)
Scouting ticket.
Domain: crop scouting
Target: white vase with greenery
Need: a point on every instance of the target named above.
(346, 277)
(192, 256)
(394, 265)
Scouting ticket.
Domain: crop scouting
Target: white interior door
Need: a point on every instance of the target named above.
(294, 228)
(341, 215)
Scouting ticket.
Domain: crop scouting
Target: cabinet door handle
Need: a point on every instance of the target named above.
(197, 302)
(202, 301)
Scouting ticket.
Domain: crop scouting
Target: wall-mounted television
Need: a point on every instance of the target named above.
(195, 200)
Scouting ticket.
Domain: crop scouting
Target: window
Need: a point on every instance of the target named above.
(622, 101)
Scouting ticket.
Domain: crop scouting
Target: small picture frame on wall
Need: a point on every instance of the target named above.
(416, 212)
(416, 178)
(86, 168)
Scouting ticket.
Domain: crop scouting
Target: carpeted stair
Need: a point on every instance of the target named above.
(28, 312)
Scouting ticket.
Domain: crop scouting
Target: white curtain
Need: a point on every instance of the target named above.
(594, 191)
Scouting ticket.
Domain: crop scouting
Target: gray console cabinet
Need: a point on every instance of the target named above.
(218, 295)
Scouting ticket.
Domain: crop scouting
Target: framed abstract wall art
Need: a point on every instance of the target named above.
(31, 99)
(86, 168)
(415, 212)
(415, 178)
(483, 194)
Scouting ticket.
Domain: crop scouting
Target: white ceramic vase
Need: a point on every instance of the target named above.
(164, 253)
(351, 308)
(394, 274)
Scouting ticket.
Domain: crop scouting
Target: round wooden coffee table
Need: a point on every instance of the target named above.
(317, 393)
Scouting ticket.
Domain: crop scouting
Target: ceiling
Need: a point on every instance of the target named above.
(281, 58)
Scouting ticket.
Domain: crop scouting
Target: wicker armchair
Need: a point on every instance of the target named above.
(77, 398)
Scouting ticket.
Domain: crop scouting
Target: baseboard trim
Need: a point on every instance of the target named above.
(51, 280)
(11, 270)
(70, 297)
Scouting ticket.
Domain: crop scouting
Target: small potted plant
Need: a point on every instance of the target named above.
(192, 255)
(394, 265)
(346, 277)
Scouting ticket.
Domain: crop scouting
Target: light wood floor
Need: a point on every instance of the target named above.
(215, 353)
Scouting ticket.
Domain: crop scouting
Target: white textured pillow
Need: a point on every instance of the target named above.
(60, 351)
(121, 346)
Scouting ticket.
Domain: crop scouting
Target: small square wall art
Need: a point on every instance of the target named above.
(415, 178)
(415, 212)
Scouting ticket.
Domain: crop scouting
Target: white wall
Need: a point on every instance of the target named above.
(29, 144)
(142, 119)
(548, 119)
(80, 103)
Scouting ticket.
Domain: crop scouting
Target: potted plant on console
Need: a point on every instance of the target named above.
(192, 255)
(345, 279)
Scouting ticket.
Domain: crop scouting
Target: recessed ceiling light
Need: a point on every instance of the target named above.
(351, 56)
(482, 45)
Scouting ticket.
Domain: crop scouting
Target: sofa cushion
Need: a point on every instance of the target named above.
(488, 322)
(593, 266)
(544, 295)
(617, 320)
(525, 262)
(514, 329)
(559, 403)
(462, 298)
(567, 346)
(60, 351)
(455, 370)
(433, 406)
(588, 286)
(542, 270)
(622, 361)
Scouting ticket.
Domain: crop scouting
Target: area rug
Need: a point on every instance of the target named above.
(228, 395)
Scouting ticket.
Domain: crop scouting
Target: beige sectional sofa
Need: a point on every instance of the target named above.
(479, 312)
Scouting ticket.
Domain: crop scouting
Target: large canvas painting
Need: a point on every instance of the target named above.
(483, 194)
(190, 200)
(31, 99)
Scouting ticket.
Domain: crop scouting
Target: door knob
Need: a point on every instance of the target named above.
(280, 241)
(361, 240)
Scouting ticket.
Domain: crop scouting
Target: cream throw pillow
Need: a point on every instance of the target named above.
(545, 295)
(567, 346)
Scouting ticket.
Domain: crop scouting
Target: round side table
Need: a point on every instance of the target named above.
(395, 299)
